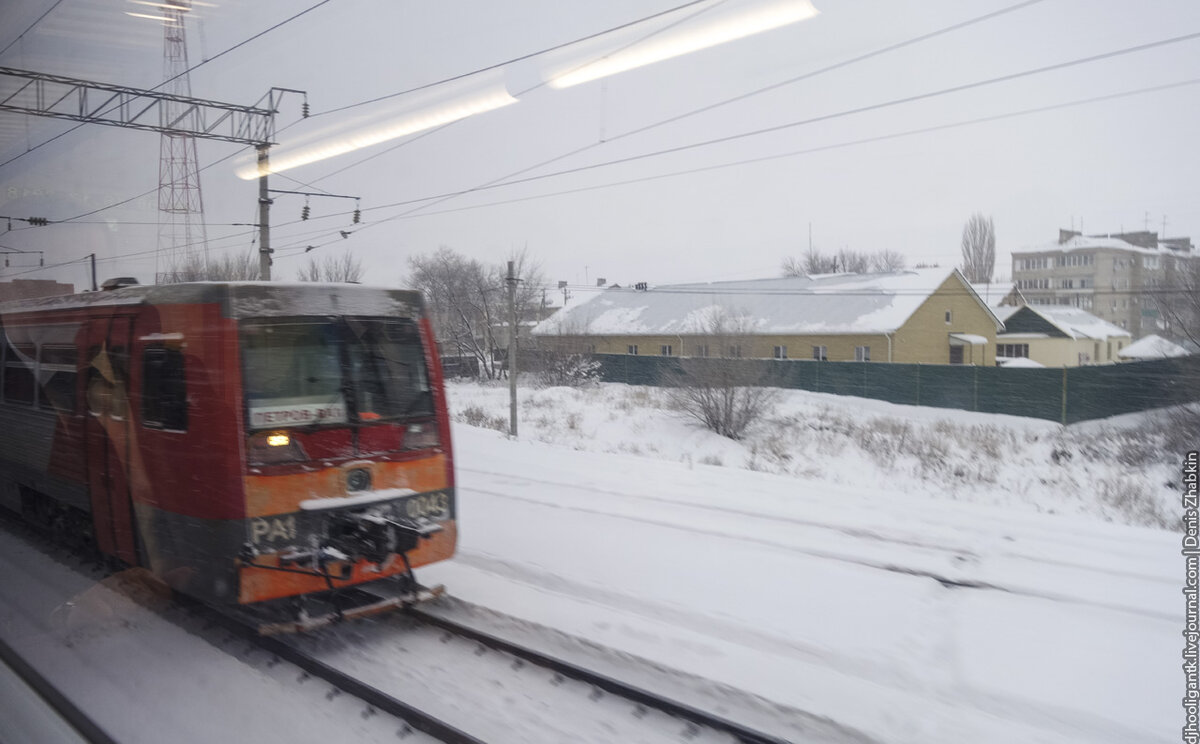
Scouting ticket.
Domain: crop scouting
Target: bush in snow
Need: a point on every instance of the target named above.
(474, 415)
(724, 393)
(569, 370)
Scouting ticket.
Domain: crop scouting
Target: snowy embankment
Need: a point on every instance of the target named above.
(854, 593)
(1115, 469)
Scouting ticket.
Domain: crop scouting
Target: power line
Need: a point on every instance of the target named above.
(795, 153)
(521, 58)
(30, 28)
(864, 109)
(508, 180)
(504, 180)
(435, 130)
(744, 96)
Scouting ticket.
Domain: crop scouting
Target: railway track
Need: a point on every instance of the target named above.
(691, 724)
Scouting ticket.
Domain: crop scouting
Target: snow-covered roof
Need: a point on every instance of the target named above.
(994, 293)
(1078, 323)
(1085, 242)
(833, 303)
(1152, 347)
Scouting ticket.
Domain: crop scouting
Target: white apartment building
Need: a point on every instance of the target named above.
(1113, 277)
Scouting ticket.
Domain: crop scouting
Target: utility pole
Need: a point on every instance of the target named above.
(264, 215)
(512, 351)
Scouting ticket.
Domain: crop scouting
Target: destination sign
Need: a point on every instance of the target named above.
(262, 417)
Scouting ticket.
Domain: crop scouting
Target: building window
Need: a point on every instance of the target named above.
(701, 350)
(956, 354)
(862, 353)
(590, 349)
(164, 389)
(820, 353)
(780, 352)
(631, 349)
(947, 317)
(664, 350)
(1012, 350)
(735, 351)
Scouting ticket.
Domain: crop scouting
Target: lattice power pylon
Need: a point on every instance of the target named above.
(182, 238)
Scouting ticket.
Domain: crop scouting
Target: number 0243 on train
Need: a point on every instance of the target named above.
(278, 450)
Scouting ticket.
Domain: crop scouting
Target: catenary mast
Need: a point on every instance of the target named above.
(181, 232)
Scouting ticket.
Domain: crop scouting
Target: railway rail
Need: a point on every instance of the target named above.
(610, 685)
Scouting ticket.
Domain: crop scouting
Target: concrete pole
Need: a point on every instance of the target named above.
(512, 352)
(264, 216)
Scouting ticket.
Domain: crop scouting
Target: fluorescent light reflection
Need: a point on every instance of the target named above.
(168, 6)
(390, 120)
(709, 28)
(151, 17)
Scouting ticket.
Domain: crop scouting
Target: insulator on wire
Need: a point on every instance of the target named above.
(304, 110)
(357, 216)
(304, 212)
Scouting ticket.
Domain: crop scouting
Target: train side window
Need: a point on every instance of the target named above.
(58, 372)
(19, 360)
(164, 389)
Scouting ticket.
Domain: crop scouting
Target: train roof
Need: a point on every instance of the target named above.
(242, 299)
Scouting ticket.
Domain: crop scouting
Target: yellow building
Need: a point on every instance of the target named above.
(930, 316)
(1059, 336)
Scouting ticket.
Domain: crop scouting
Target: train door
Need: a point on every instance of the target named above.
(108, 434)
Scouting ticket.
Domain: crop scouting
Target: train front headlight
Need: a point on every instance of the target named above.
(273, 447)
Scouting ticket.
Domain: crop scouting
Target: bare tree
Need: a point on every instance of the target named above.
(979, 249)
(887, 261)
(1178, 301)
(792, 266)
(816, 262)
(226, 268)
(845, 260)
(343, 268)
(468, 302)
(852, 262)
(724, 393)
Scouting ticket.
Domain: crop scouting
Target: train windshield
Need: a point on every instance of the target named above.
(313, 371)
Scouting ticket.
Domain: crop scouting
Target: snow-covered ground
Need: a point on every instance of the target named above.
(973, 588)
(975, 591)
(1113, 469)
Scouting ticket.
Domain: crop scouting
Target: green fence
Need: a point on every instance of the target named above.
(1064, 395)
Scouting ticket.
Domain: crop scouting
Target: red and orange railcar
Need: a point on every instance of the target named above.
(254, 445)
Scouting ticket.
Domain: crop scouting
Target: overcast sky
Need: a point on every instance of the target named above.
(732, 210)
